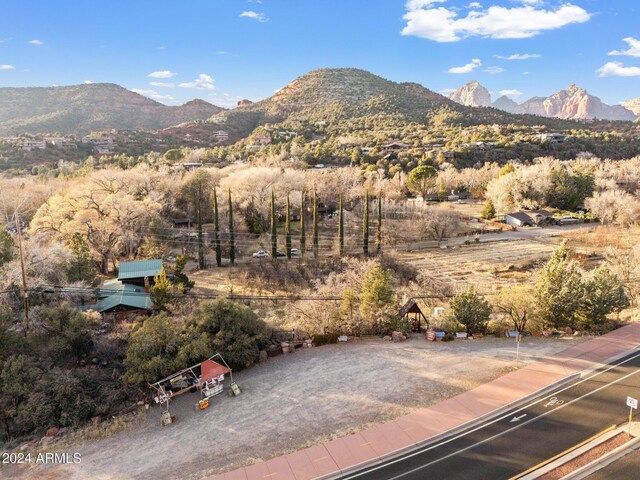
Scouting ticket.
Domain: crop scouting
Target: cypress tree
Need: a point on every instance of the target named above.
(232, 241)
(315, 225)
(216, 229)
(379, 224)
(340, 228)
(198, 202)
(365, 225)
(303, 233)
(287, 229)
(274, 227)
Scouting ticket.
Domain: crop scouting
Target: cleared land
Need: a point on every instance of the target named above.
(293, 401)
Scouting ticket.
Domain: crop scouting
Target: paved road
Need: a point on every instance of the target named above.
(515, 441)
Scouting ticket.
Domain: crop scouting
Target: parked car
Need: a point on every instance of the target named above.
(295, 252)
(281, 254)
(260, 254)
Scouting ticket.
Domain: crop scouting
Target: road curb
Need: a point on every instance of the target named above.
(602, 462)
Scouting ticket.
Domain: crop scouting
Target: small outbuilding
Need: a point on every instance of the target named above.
(412, 311)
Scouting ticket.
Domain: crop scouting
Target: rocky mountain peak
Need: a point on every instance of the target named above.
(473, 94)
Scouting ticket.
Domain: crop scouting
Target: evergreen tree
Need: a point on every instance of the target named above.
(470, 310)
(340, 228)
(274, 228)
(287, 229)
(81, 266)
(232, 241)
(365, 225)
(180, 279)
(198, 203)
(379, 224)
(216, 229)
(559, 289)
(315, 225)
(303, 233)
(603, 294)
(377, 298)
(7, 247)
(488, 211)
(161, 290)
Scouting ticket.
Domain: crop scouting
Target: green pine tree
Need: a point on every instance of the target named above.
(315, 225)
(488, 211)
(287, 229)
(340, 228)
(232, 241)
(161, 290)
(216, 229)
(365, 225)
(81, 266)
(274, 228)
(559, 289)
(303, 233)
(604, 294)
(379, 224)
(470, 310)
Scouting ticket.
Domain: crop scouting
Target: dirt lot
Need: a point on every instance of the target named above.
(296, 400)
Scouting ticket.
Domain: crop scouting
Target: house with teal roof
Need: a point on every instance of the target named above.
(128, 295)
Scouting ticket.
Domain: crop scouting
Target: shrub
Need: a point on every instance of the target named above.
(449, 337)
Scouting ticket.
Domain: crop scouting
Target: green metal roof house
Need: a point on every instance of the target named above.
(128, 295)
(135, 272)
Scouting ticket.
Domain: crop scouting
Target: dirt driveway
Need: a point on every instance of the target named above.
(297, 400)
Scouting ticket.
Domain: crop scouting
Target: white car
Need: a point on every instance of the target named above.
(295, 251)
(260, 254)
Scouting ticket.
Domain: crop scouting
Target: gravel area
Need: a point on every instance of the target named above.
(586, 458)
(296, 400)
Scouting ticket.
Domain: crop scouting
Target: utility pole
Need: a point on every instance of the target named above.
(25, 292)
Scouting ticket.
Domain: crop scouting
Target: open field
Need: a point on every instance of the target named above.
(484, 265)
(294, 401)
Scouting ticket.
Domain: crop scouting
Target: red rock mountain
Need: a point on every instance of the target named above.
(82, 108)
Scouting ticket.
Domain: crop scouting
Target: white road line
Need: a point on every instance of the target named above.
(431, 447)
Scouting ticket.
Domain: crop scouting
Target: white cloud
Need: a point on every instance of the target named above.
(415, 4)
(88, 82)
(510, 93)
(469, 67)
(519, 56)
(153, 94)
(494, 70)
(474, 5)
(617, 69)
(634, 48)
(36, 42)
(222, 52)
(203, 82)
(7, 67)
(442, 24)
(531, 2)
(261, 17)
(162, 84)
(162, 74)
(525, 73)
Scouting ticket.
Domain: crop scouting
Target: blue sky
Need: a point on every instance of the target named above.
(223, 50)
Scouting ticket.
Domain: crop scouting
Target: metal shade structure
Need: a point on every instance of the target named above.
(206, 376)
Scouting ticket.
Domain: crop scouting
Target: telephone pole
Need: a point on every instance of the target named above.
(25, 291)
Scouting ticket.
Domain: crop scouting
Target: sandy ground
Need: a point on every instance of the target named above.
(293, 401)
